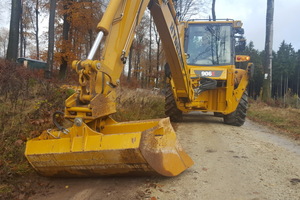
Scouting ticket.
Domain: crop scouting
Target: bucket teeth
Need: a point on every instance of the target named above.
(141, 148)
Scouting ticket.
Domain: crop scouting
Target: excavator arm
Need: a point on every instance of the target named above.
(99, 78)
(96, 144)
(171, 32)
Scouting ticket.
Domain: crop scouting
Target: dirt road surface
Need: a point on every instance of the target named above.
(231, 163)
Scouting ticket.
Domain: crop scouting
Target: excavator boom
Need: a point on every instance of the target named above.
(96, 145)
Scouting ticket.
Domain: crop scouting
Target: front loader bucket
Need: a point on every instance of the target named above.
(140, 147)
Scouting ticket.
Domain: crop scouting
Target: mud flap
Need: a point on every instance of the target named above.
(138, 148)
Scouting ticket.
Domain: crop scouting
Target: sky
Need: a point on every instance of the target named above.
(251, 12)
(5, 7)
(253, 15)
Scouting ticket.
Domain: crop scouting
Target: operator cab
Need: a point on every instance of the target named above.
(211, 43)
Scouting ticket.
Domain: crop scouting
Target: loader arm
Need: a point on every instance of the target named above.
(171, 34)
(96, 145)
(99, 78)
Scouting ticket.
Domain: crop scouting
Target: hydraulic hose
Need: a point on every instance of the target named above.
(61, 128)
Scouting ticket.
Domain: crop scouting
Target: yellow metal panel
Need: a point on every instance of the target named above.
(109, 16)
(153, 148)
(121, 141)
(61, 145)
(77, 144)
(129, 127)
(222, 70)
(172, 40)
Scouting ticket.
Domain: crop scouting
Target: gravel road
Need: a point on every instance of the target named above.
(250, 162)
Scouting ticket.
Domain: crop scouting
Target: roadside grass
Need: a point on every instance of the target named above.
(138, 105)
(27, 102)
(286, 119)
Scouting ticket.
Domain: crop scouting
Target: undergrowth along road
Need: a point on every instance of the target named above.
(285, 119)
(26, 111)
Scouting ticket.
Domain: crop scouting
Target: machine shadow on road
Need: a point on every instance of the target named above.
(202, 118)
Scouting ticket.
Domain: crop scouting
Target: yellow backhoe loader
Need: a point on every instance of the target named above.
(95, 144)
(217, 78)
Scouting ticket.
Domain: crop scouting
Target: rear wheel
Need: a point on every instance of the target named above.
(171, 109)
(237, 118)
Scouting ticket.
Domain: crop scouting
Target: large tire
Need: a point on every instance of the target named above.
(171, 109)
(238, 117)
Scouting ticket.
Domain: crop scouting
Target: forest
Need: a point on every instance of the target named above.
(71, 32)
(53, 33)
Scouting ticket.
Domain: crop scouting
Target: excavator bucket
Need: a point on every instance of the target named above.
(138, 147)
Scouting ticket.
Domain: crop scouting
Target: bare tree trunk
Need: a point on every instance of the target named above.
(130, 64)
(66, 30)
(267, 83)
(13, 42)
(138, 65)
(213, 11)
(24, 43)
(284, 92)
(51, 38)
(21, 31)
(281, 86)
(37, 29)
(298, 87)
(148, 77)
(286, 89)
(157, 61)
